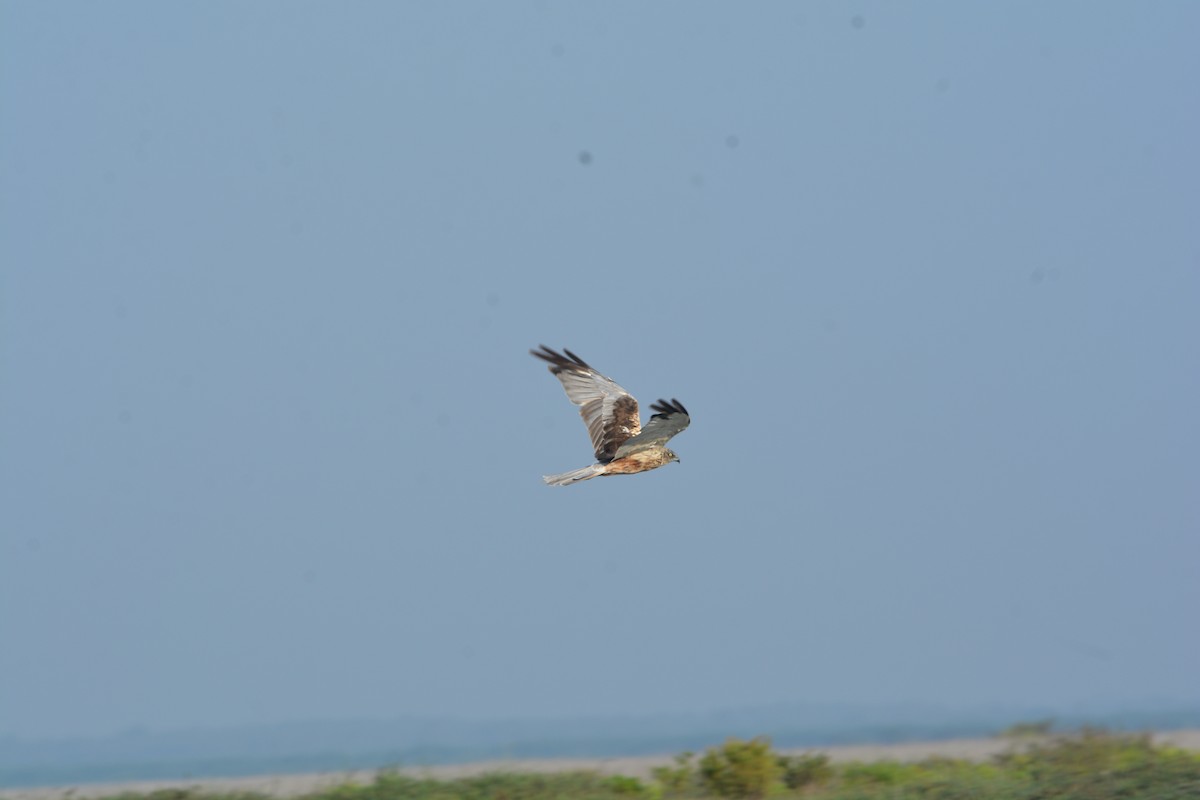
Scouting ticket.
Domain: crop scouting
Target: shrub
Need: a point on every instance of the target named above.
(740, 769)
(679, 779)
(1096, 764)
(805, 770)
(883, 773)
(624, 785)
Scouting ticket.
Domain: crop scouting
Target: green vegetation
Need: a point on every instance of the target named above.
(1091, 765)
(679, 780)
(805, 770)
(740, 769)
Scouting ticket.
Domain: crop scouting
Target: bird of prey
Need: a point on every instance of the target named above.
(622, 445)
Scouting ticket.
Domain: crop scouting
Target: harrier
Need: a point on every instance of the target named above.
(622, 445)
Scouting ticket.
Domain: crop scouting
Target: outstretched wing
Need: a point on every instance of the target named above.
(610, 412)
(671, 418)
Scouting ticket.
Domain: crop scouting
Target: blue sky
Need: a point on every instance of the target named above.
(926, 276)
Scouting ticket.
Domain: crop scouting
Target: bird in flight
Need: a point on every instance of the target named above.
(623, 446)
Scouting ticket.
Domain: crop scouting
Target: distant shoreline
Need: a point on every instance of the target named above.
(284, 785)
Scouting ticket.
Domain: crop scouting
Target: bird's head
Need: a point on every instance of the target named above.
(671, 455)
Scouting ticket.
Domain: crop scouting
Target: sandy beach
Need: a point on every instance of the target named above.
(640, 766)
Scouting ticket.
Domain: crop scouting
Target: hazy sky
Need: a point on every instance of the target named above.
(926, 275)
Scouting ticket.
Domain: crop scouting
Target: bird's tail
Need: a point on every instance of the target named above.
(574, 476)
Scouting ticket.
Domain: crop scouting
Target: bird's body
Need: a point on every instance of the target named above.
(622, 445)
(641, 461)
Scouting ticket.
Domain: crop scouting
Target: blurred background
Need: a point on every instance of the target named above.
(271, 441)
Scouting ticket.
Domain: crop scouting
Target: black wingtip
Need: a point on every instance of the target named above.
(557, 360)
(576, 358)
(671, 407)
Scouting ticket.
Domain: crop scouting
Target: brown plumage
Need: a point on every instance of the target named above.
(622, 445)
